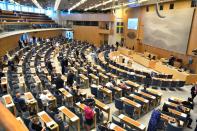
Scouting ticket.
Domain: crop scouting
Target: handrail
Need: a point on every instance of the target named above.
(8, 121)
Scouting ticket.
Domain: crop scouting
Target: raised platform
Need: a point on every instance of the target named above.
(158, 66)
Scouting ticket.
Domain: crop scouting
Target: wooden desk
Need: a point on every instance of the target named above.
(72, 117)
(51, 98)
(19, 70)
(20, 63)
(31, 101)
(136, 105)
(67, 96)
(83, 70)
(9, 104)
(48, 121)
(33, 70)
(82, 107)
(114, 77)
(103, 78)
(22, 124)
(85, 80)
(103, 107)
(168, 118)
(176, 99)
(125, 51)
(4, 84)
(149, 97)
(145, 101)
(116, 127)
(32, 64)
(177, 113)
(183, 76)
(38, 82)
(118, 91)
(107, 92)
(74, 70)
(95, 79)
(5, 70)
(100, 69)
(186, 110)
(22, 83)
(139, 58)
(133, 85)
(155, 93)
(132, 123)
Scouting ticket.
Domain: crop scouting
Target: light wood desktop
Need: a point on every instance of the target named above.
(132, 123)
(48, 121)
(72, 117)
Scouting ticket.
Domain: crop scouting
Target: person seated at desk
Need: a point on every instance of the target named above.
(36, 124)
(11, 64)
(189, 103)
(63, 126)
(165, 108)
(45, 100)
(21, 102)
(59, 82)
(77, 94)
(50, 111)
(171, 60)
(124, 88)
(109, 85)
(180, 107)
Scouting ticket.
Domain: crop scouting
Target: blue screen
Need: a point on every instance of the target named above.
(133, 23)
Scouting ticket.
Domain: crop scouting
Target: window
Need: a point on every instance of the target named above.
(171, 6)
(161, 7)
(86, 23)
(147, 8)
(193, 3)
(119, 27)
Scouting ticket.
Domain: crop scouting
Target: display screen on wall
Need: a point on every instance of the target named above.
(133, 23)
(69, 34)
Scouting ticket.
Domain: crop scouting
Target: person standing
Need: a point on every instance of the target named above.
(194, 91)
(89, 115)
(70, 78)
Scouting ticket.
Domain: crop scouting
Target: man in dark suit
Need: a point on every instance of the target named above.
(64, 65)
(171, 60)
(70, 78)
(59, 82)
(194, 91)
(49, 65)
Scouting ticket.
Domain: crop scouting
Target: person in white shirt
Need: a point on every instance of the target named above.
(109, 85)
(45, 99)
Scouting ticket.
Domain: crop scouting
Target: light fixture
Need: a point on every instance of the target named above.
(76, 5)
(119, 6)
(37, 4)
(100, 4)
(12, 1)
(57, 3)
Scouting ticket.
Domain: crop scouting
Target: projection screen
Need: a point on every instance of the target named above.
(170, 33)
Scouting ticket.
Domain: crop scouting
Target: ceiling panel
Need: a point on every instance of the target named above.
(66, 4)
